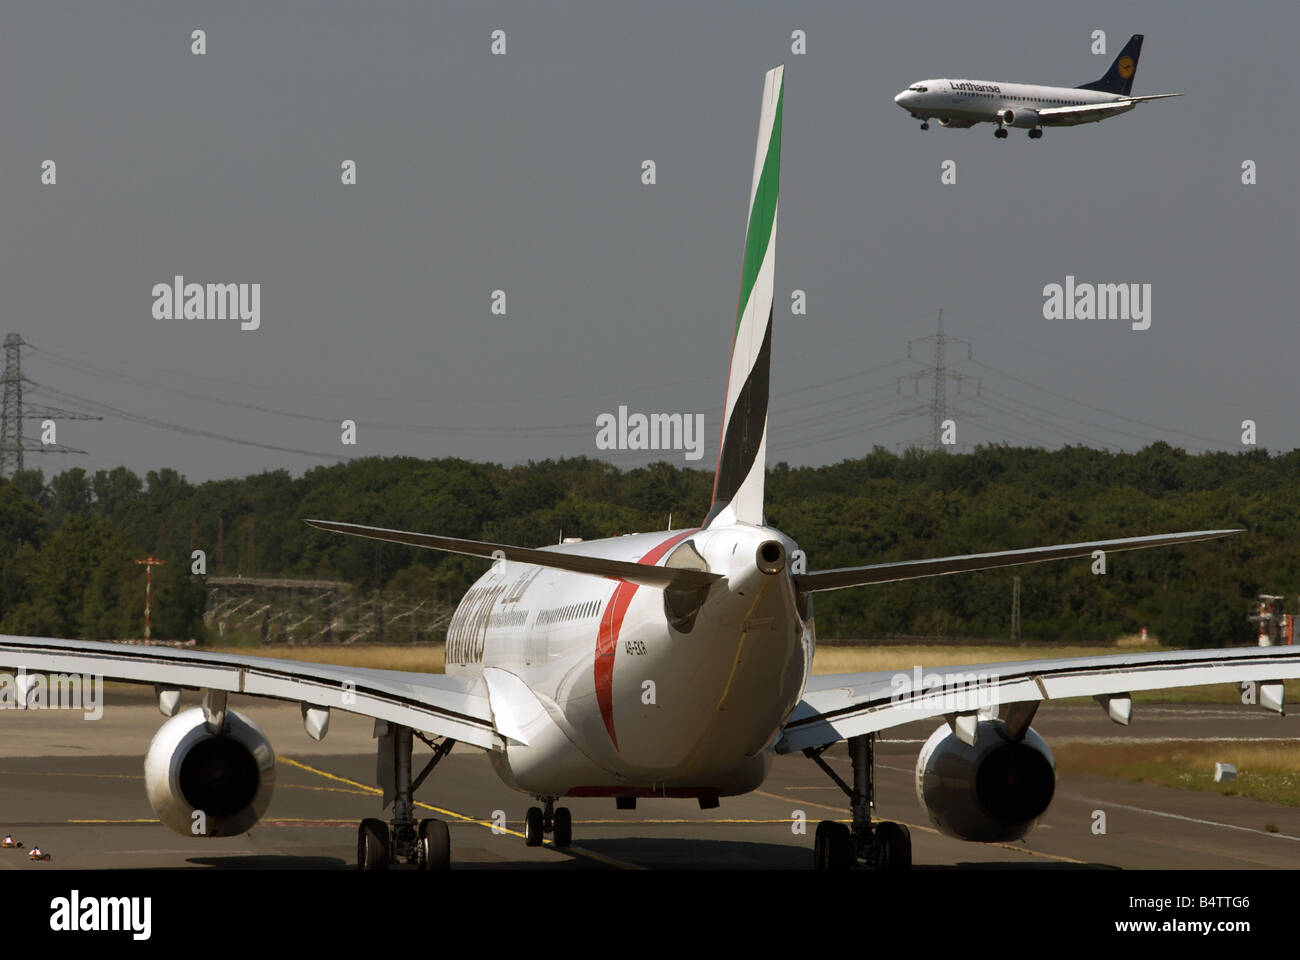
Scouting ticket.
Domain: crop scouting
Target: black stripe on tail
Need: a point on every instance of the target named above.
(744, 431)
(1119, 78)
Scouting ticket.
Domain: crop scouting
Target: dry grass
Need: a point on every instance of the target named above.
(1266, 771)
(865, 658)
(380, 657)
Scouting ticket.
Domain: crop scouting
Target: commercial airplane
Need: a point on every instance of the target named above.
(964, 103)
(668, 664)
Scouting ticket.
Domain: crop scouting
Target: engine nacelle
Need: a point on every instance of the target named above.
(993, 791)
(1022, 117)
(229, 776)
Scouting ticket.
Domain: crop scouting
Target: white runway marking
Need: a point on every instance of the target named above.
(1179, 816)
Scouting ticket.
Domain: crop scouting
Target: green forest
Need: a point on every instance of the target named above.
(68, 545)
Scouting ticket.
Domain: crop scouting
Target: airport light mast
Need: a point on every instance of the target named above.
(148, 563)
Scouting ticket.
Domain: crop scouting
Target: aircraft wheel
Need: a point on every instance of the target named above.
(1035, 134)
(372, 845)
(563, 827)
(925, 126)
(895, 842)
(1000, 133)
(832, 846)
(435, 845)
(533, 827)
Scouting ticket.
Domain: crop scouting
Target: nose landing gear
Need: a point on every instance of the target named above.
(553, 819)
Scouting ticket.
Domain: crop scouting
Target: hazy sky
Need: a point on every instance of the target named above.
(523, 173)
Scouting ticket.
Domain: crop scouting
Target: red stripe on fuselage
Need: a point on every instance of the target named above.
(610, 625)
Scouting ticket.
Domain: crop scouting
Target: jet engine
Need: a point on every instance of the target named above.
(993, 791)
(229, 776)
(1021, 117)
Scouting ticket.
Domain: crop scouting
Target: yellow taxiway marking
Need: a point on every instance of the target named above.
(918, 826)
(669, 822)
(494, 827)
(59, 773)
(308, 786)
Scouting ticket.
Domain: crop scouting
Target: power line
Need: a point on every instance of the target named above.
(178, 428)
(1096, 409)
(543, 431)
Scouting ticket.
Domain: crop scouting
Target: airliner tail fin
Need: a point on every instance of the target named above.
(742, 453)
(1119, 78)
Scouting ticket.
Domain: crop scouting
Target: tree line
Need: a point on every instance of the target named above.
(68, 545)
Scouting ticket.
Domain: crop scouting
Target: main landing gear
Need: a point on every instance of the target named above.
(424, 844)
(882, 845)
(1036, 133)
(553, 819)
(925, 124)
(1000, 133)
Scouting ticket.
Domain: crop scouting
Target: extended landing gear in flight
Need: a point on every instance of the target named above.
(1036, 133)
(425, 844)
(1000, 133)
(882, 845)
(925, 124)
(553, 819)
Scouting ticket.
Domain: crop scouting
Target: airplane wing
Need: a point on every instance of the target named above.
(838, 706)
(433, 703)
(843, 577)
(1087, 112)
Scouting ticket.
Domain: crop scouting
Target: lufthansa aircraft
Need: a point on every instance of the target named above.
(964, 103)
(668, 664)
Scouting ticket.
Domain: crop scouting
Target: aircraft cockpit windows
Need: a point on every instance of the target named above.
(919, 89)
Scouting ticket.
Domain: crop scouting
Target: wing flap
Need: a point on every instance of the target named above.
(837, 706)
(433, 703)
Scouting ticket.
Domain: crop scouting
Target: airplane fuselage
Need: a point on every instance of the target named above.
(961, 103)
(604, 688)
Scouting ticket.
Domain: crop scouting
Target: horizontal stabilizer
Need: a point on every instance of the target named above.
(913, 569)
(1151, 96)
(1088, 112)
(639, 573)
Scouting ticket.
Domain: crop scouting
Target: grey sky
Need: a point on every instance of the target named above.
(523, 173)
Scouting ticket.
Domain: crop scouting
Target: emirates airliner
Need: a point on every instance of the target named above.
(667, 664)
